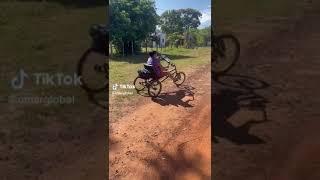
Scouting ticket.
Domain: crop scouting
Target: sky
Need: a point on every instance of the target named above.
(204, 6)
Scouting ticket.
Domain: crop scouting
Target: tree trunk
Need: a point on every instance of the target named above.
(140, 47)
(132, 52)
(110, 49)
(122, 48)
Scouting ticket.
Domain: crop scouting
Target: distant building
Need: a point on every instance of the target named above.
(162, 37)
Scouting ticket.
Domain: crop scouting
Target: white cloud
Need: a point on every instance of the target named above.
(205, 20)
(206, 16)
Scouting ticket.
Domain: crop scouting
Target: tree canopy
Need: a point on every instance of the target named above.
(179, 21)
(131, 21)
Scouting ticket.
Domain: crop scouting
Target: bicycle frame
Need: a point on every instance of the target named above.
(172, 73)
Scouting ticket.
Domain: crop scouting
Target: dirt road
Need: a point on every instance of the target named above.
(266, 118)
(165, 138)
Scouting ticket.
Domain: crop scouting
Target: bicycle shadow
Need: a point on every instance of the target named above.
(237, 93)
(182, 97)
(143, 92)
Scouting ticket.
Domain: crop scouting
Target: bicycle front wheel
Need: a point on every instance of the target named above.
(93, 71)
(180, 78)
(226, 53)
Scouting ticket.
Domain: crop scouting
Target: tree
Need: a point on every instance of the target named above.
(203, 36)
(179, 21)
(206, 33)
(191, 37)
(190, 18)
(131, 22)
(177, 24)
(171, 22)
(175, 39)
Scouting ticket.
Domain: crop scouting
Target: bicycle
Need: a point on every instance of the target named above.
(92, 67)
(147, 78)
(222, 50)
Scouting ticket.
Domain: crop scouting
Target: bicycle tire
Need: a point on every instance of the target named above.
(80, 72)
(236, 42)
(134, 83)
(179, 74)
(151, 85)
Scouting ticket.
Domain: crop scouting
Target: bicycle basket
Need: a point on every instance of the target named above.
(99, 35)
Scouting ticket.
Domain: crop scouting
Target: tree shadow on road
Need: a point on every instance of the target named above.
(237, 93)
(170, 165)
(176, 98)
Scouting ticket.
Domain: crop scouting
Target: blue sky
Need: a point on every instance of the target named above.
(202, 5)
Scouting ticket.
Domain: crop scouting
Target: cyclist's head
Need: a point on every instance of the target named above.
(153, 53)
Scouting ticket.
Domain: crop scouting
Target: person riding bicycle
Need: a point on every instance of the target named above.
(154, 61)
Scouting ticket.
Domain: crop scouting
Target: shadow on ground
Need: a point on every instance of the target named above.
(170, 165)
(113, 144)
(182, 97)
(237, 92)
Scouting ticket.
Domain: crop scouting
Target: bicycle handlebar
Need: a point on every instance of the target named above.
(165, 58)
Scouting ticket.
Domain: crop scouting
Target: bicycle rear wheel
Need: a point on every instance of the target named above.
(139, 83)
(154, 88)
(226, 53)
(93, 71)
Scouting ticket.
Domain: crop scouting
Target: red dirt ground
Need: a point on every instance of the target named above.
(271, 132)
(165, 138)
